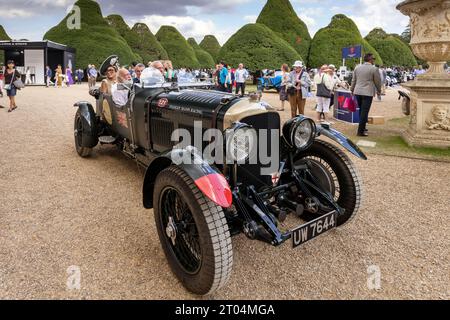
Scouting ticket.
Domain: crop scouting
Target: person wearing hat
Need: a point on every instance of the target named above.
(109, 70)
(298, 87)
(366, 83)
(11, 75)
(110, 80)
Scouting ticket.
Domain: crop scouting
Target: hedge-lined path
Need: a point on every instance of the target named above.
(58, 210)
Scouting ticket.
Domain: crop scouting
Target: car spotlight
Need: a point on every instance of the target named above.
(300, 132)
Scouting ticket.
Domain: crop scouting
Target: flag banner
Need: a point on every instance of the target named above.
(352, 52)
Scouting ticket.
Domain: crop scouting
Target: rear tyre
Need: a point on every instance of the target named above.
(193, 232)
(338, 175)
(78, 130)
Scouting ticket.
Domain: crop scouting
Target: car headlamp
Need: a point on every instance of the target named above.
(240, 143)
(300, 132)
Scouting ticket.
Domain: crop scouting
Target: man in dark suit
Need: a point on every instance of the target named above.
(366, 83)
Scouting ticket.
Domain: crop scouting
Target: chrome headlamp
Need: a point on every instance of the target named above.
(300, 132)
(241, 139)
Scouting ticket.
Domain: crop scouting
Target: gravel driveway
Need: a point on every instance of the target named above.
(60, 213)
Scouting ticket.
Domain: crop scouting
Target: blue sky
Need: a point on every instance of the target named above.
(30, 19)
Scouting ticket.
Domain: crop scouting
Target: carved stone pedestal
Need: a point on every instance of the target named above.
(430, 122)
(430, 93)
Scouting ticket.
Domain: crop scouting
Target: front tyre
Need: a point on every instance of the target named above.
(78, 131)
(338, 175)
(193, 232)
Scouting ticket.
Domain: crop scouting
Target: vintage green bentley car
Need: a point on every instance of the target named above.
(200, 202)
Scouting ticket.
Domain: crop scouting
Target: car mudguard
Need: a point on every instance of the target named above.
(341, 139)
(89, 120)
(210, 182)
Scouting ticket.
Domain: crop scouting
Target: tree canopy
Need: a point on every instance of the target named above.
(211, 45)
(180, 52)
(392, 50)
(279, 15)
(204, 58)
(258, 47)
(328, 42)
(95, 40)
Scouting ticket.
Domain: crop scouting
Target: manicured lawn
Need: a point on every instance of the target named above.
(395, 145)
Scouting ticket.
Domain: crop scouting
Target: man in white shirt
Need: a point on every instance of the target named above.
(241, 76)
(120, 90)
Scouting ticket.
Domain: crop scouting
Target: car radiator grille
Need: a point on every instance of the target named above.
(162, 132)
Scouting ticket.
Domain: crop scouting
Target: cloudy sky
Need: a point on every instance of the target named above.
(30, 19)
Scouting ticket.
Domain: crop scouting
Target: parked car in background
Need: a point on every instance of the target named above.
(271, 80)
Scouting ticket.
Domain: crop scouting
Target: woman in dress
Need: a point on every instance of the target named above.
(11, 75)
(58, 76)
(284, 82)
(69, 77)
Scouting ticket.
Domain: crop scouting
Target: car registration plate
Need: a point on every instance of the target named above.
(314, 229)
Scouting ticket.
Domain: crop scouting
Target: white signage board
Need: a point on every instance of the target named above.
(34, 63)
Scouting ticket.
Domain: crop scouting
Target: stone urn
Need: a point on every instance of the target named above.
(430, 32)
(430, 92)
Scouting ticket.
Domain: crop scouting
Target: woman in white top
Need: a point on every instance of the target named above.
(325, 86)
(285, 76)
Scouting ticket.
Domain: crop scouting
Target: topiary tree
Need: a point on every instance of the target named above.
(211, 45)
(204, 58)
(279, 15)
(118, 23)
(180, 52)
(3, 36)
(328, 42)
(95, 40)
(258, 47)
(392, 50)
(148, 46)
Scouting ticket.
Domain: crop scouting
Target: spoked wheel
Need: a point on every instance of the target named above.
(181, 229)
(193, 232)
(336, 174)
(78, 132)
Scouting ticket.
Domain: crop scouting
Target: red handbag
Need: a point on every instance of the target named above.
(350, 104)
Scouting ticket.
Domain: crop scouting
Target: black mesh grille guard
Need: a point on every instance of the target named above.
(204, 96)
